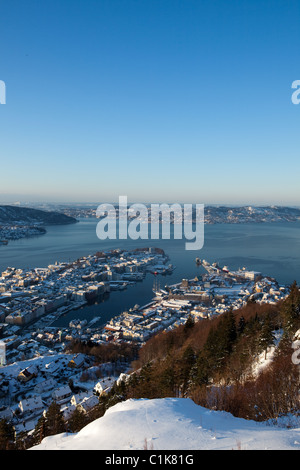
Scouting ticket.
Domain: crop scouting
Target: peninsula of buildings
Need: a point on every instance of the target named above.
(36, 367)
(22, 222)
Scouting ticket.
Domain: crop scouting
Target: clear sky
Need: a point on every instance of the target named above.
(159, 100)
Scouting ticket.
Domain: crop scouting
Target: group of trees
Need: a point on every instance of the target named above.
(50, 423)
(101, 353)
(212, 361)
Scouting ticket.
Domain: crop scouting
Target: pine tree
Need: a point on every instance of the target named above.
(41, 430)
(291, 310)
(167, 382)
(55, 421)
(201, 371)
(190, 322)
(241, 326)
(7, 435)
(230, 330)
(266, 338)
(187, 362)
(77, 420)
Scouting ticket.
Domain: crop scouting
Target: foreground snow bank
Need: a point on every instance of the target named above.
(172, 424)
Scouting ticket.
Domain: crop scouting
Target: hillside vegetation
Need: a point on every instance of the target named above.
(242, 362)
(214, 362)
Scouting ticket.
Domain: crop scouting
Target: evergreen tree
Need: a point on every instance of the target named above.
(23, 441)
(266, 338)
(251, 333)
(7, 435)
(230, 330)
(241, 326)
(291, 310)
(190, 322)
(41, 430)
(218, 346)
(77, 420)
(226, 334)
(187, 362)
(55, 421)
(168, 383)
(201, 371)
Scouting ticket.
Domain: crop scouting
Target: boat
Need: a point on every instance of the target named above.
(94, 320)
(3, 242)
(170, 269)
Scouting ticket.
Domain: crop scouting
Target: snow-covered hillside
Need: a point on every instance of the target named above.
(16, 215)
(172, 424)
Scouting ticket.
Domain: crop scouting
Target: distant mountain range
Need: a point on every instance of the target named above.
(250, 214)
(16, 215)
(212, 215)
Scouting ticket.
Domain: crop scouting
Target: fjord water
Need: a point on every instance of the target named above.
(271, 248)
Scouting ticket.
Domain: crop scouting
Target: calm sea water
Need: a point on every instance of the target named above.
(273, 249)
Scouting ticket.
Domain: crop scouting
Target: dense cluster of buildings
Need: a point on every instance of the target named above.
(26, 295)
(27, 388)
(35, 368)
(32, 299)
(15, 232)
(211, 294)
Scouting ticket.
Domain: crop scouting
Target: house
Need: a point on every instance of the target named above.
(62, 394)
(88, 403)
(45, 386)
(53, 368)
(67, 411)
(77, 361)
(27, 374)
(76, 399)
(32, 405)
(6, 413)
(104, 385)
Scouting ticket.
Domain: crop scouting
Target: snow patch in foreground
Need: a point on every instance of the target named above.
(172, 424)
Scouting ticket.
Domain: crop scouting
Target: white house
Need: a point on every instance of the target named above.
(104, 385)
(67, 411)
(31, 405)
(45, 386)
(88, 403)
(62, 393)
(76, 399)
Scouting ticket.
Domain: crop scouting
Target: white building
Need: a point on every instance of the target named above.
(2, 354)
(88, 403)
(32, 405)
(104, 385)
(61, 394)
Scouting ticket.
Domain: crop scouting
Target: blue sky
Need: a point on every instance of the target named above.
(169, 100)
